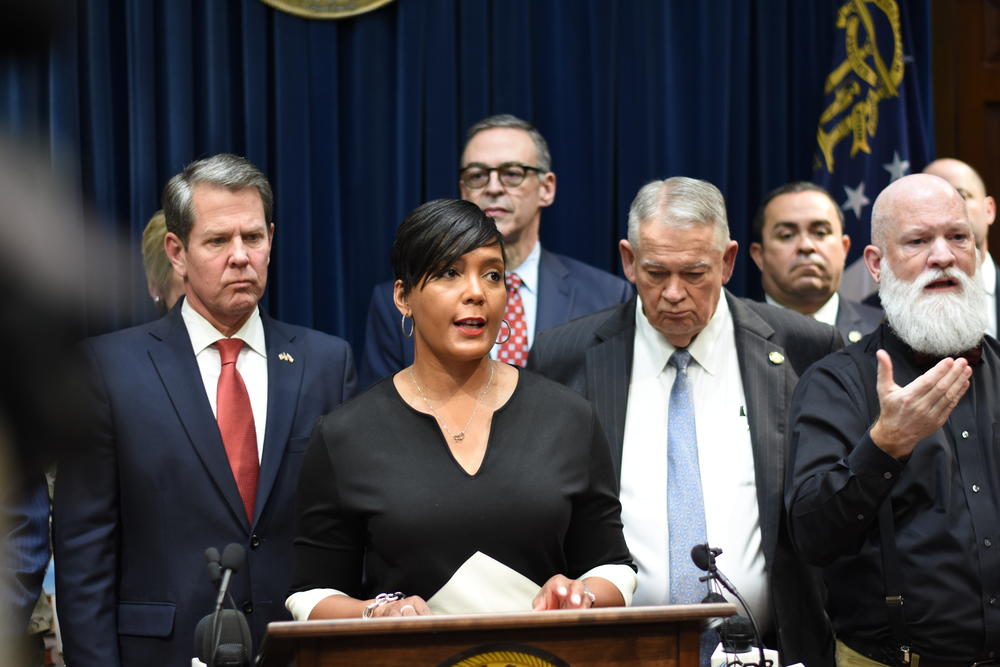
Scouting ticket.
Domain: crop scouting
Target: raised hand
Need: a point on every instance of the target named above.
(911, 413)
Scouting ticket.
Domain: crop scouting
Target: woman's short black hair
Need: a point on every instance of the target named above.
(436, 234)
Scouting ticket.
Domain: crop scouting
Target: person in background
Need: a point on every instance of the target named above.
(506, 170)
(164, 284)
(401, 488)
(800, 248)
(24, 557)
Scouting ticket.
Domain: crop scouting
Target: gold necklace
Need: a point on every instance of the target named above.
(460, 436)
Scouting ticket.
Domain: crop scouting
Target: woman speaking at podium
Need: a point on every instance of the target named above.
(460, 484)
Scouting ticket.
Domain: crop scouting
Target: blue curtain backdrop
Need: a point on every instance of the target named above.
(357, 121)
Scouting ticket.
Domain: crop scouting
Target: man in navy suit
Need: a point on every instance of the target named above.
(982, 210)
(800, 248)
(156, 479)
(506, 171)
(24, 557)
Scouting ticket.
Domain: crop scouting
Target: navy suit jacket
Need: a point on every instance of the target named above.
(593, 355)
(24, 510)
(567, 289)
(150, 488)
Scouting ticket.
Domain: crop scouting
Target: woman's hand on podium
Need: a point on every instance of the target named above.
(412, 605)
(560, 592)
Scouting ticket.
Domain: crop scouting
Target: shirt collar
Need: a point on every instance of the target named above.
(528, 269)
(827, 313)
(988, 274)
(704, 348)
(204, 335)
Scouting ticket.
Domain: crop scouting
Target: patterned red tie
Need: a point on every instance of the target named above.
(515, 350)
(236, 425)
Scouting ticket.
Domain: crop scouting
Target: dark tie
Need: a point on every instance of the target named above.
(236, 425)
(515, 349)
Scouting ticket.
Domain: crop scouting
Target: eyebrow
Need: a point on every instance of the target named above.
(701, 264)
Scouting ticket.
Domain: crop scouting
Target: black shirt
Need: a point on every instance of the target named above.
(384, 506)
(944, 503)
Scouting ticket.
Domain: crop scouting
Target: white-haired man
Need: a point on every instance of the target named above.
(692, 388)
(894, 449)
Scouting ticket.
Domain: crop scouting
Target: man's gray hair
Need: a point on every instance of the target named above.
(679, 202)
(223, 170)
(544, 158)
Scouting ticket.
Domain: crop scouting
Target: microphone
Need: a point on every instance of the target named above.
(232, 560)
(224, 641)
(214, 568)
(222, 638)
(715, 622)
(704, 557)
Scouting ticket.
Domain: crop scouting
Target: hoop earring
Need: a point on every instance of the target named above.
(402, 327)
(510, 330)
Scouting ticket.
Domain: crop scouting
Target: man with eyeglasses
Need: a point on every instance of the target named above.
(506, 170)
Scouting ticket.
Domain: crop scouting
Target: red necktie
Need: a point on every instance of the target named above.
(236, 425)
(515, 350)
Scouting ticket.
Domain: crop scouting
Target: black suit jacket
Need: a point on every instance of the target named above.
(593, 355)
(150, 487)
(567, 289)
(855, 320)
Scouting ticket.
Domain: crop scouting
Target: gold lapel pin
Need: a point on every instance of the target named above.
(284, 356)
(776, 358)
(854, 336)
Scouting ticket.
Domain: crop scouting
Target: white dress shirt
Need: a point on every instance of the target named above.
(724, 452)
(988, 275)
(252, 362)
(827, 313)
(528, 272)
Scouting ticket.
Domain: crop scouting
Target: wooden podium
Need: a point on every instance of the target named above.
(614, 636)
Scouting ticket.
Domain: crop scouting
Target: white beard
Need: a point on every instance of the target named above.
(938, 324)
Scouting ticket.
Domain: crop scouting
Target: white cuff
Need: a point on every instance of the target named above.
(302, 603)
(622, 576)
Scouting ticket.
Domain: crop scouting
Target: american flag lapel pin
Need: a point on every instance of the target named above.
(284, 356)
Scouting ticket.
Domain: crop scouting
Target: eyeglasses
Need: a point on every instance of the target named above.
(511, 174)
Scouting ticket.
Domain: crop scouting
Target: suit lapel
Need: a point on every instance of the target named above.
(555, 299)
(765, 389)
(284, 381)
(174, 361)
(847, 316)
(607, 386)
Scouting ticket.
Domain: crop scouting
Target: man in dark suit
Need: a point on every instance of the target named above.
(506, 171)
(745, 358)
(982, 210)
(24, 557)
(800, 248)
(198, 427)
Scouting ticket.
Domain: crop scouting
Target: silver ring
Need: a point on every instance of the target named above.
(407, 606)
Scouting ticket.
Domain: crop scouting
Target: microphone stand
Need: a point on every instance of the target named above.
(701, 553)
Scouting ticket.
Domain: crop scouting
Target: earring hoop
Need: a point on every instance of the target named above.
(510, 331)
(402, 327)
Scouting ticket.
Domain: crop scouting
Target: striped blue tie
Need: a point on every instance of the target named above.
(685, 503)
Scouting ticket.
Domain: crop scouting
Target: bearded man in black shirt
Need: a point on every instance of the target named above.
(895, 476)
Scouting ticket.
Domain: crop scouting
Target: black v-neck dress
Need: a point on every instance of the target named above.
(384, 506)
